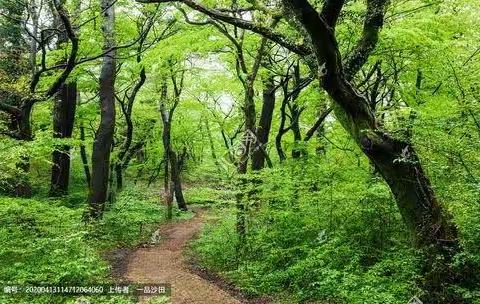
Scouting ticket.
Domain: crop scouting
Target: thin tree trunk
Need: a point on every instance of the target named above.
(281, 130)
(172, 168)
(295, 116)
(168, 188)
(83, 155)
(127, 108)
(212, 145)
(317, 124)
(119, 165)
(104, 136)
(297, 135)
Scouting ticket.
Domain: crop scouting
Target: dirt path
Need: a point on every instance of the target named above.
(164, 263)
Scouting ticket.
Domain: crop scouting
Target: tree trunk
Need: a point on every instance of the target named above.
(396, 160)
(127, 108)
(295, 113)
(171, 159)
(176, 181)
(83, 155)
(297, 135)
(249, 133)
(22, 187)
(119, 165)
(64, 116)
(212, 144)
(167, 183)
(104, 136)
(264, 125)
(281, 130)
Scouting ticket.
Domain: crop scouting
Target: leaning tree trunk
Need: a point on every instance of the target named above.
(64, 116)
(104, 136)
(395, 159)
(264, 125)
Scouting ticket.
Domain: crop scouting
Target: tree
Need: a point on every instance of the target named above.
(259, 154)
(19, 104)
(104, 136)
(395, 159)
(172, 160)
(144, 27)
(63, 122)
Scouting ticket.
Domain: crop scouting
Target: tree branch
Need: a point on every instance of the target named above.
(302, 50)
(317, 124)
(371, 28)
(331, 11)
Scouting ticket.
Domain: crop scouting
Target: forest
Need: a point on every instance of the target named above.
(240, 151)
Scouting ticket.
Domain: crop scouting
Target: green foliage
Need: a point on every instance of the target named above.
(131, 220)
(330, 233)
(324, 227)
(43, 241)
(47, 241)
(208, 196)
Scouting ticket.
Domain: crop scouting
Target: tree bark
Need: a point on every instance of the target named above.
(64, 116)
(396, 160)
(83, 155)
(249, 111)
(104, 135)
(172, 164)
(264, 125)
(175, 165)
(168, 188)
(295, 127)
(63, 120)
(295, 113)
(282, 130)
(249, 116)
(119, 165)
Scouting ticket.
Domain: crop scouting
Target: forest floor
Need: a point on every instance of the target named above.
(165, 262)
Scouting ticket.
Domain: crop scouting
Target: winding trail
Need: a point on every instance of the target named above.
(165, 263)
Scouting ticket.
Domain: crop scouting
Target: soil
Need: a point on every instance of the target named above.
(165, 263)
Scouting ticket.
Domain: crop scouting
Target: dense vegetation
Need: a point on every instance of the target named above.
(335, 143)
